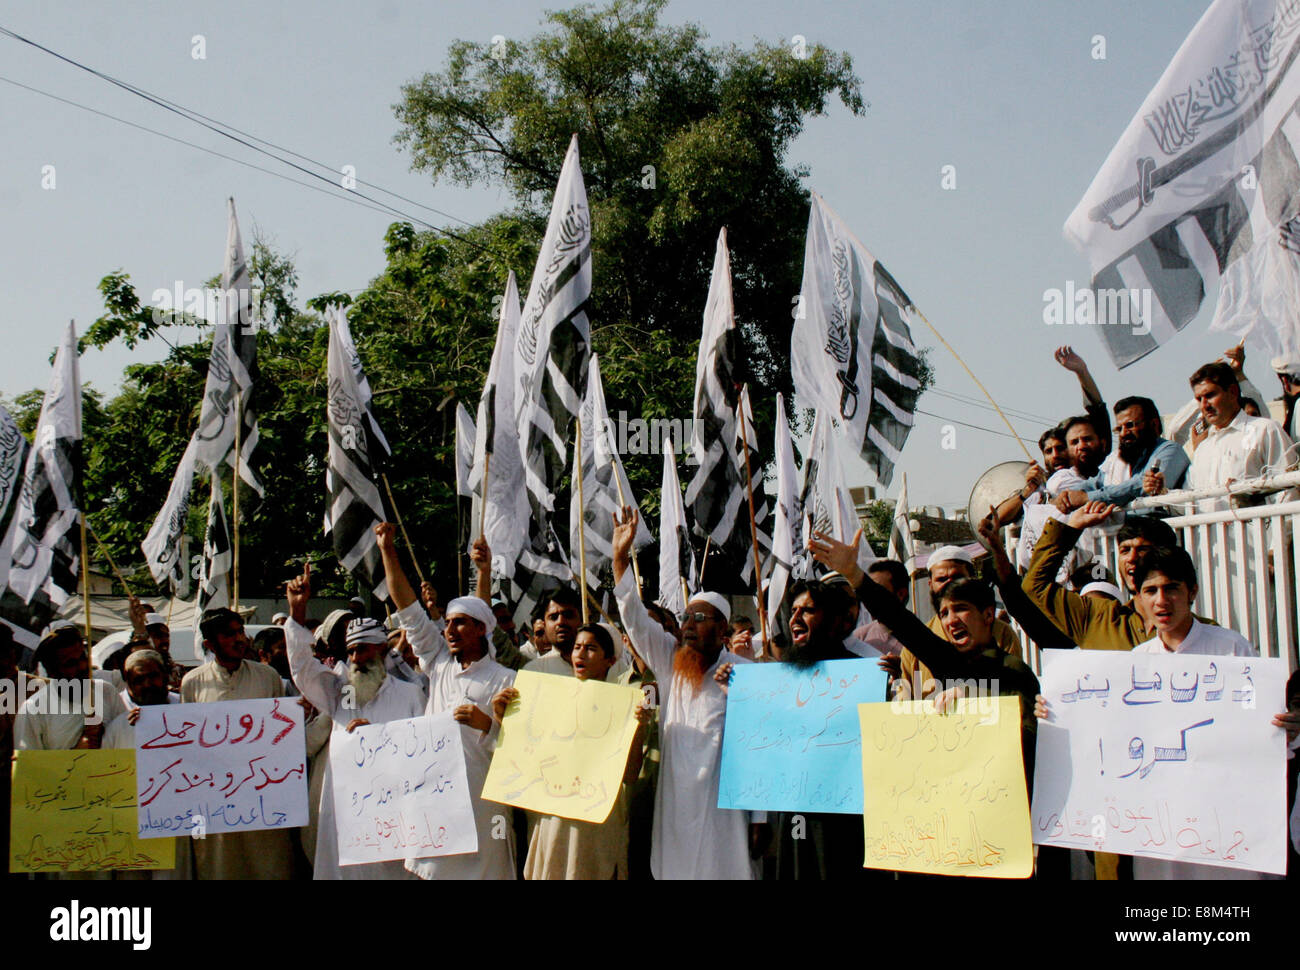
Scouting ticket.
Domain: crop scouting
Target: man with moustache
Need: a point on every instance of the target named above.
(818, 845)
(463, 679)
(364, 693)
(230, 676)
(561, 615)
(145, 673)
(1143, 458)
(692, 837)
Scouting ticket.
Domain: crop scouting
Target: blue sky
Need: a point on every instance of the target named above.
(1008, 93)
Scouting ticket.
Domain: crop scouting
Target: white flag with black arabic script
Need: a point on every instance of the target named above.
(1207, 171)
(47, 541)
(851, 350)
(354, 503)
(162, 546)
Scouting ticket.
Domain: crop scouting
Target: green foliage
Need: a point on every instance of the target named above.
(678, 139)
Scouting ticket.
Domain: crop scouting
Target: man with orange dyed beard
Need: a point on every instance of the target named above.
(693, 838)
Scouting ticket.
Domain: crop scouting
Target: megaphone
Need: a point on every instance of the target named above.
(994, 487)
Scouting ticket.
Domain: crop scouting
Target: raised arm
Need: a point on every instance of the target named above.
(650, 642)
(1068, 611)
(1032, 620)
(943, 659)
(424, 638)
(482, 558)
(1093, 403)
(316, 682)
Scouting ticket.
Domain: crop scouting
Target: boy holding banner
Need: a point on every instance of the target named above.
(565, 848)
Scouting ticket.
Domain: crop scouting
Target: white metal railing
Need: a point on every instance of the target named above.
(1247, 559)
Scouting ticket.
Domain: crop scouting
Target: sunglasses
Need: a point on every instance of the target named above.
(696, 615)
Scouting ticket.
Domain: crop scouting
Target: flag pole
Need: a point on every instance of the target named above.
(483, 486)
(704, 561)
(406, 538)
(1019, 440)
(636, 569)
(234, 487)
(85, 579)
(109, 556)
(753, 524)
(582, 532)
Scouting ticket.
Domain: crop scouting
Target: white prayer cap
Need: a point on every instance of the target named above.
(366, 631)
(950, 554)
(717, 601)
(155, 619)
(1288, 363)
(475, 609)
(615, 636)
(326, 628)
(279, 616)
(1110, 589)
(141, 656)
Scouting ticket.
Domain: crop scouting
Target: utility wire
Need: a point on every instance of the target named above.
(195, 118)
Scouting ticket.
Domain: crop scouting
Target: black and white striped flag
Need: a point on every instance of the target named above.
(47, 541)
(825, 502)
(232, 368)
(746, 437)
(551, 355)
(13, 462)
(505, 519)
(466, 482)
(716, 495)
(354, 503)
(218, 557)
(605, 489)
(677, 575)
(162, 546)
(1207, 171)
(851, 351)
(554, 342)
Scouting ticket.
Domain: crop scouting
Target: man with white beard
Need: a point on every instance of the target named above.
(362, 693)
(463, 679)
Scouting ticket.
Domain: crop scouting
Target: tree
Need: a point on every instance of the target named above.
(678, 139)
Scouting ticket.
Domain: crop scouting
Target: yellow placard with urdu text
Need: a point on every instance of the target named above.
(75, 811)
(564, 746)
(945, 793)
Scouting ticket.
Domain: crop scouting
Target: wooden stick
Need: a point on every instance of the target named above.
(636, 569)
(483, 486)
(753, 524)
(1020, 441)
(582, 533)
(85, 579)
(704, 561)
(406, 538)
(109, 556)
(234, 488)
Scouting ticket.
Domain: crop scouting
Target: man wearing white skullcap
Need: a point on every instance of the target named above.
(947, 563)
(463, 679)
(1287, 368)
(692, 837)
(360, 693)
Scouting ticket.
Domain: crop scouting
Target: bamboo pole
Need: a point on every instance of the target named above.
(109, 556)
(85, 579)
(406, 538)
(234, 488)
(1019, 440)
(704, 561)
(636, 569)
(753, 525)
(582, 532)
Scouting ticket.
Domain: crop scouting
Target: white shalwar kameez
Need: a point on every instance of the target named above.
(1221, 642)
(323, 688)
(450, 686)
(692, 838)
